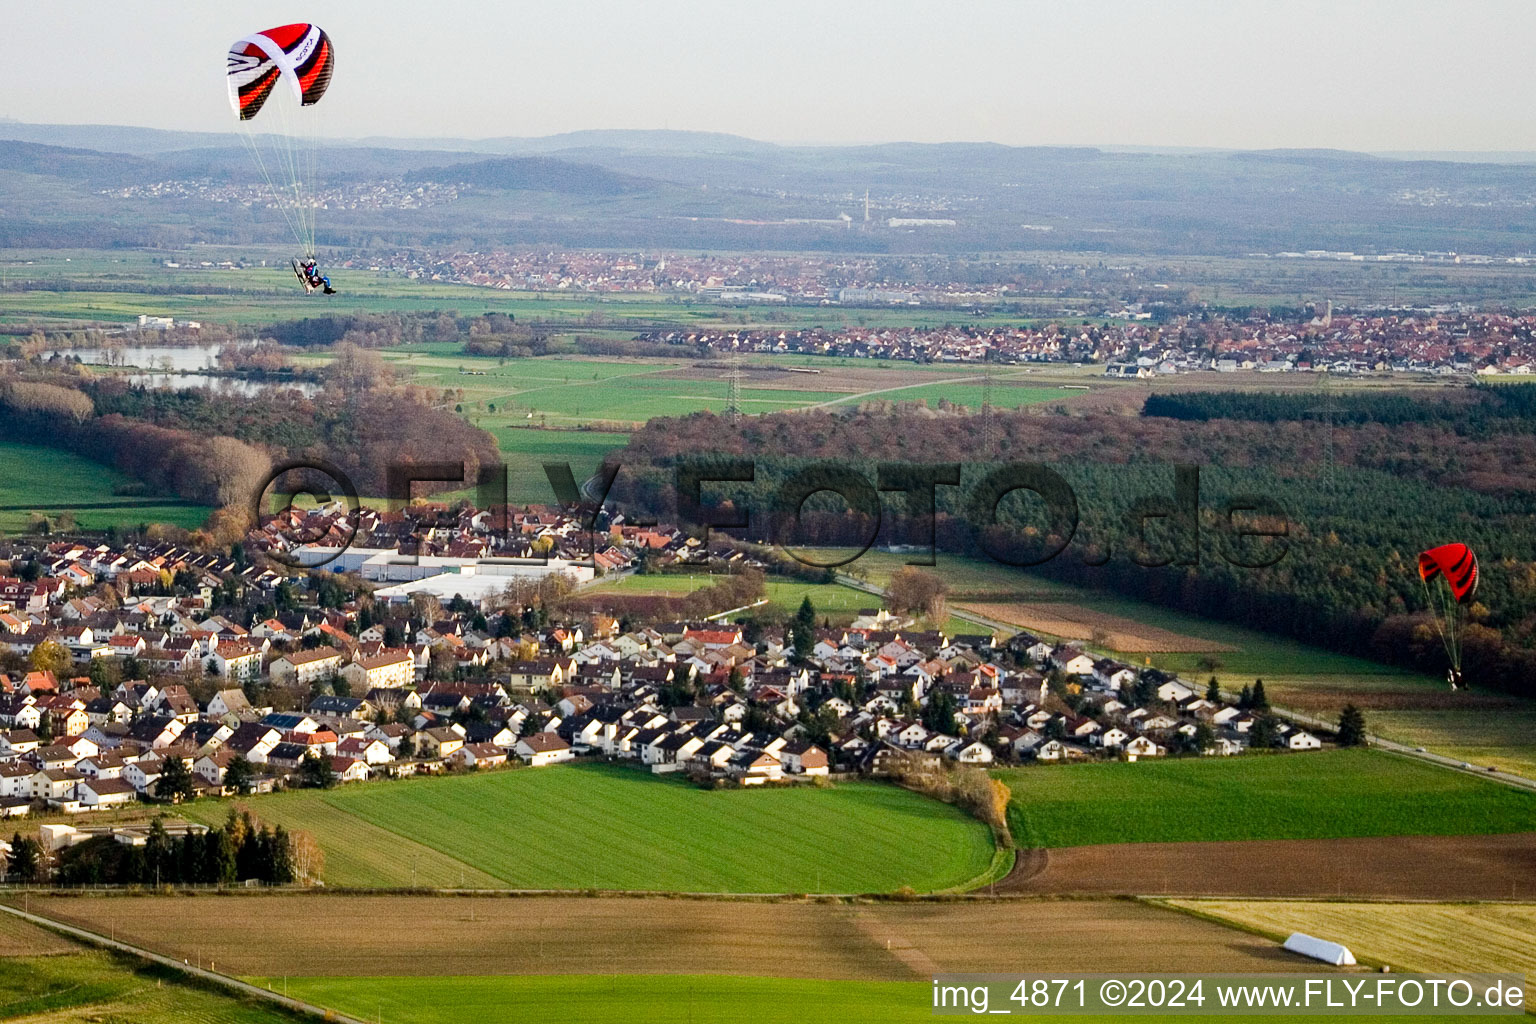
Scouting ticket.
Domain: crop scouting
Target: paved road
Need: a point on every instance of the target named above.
(1311, 721)
(234, 984)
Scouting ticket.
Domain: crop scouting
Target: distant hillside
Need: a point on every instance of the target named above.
(112, 138)
(69, 164)
(655, 141)
(335, 162)
(536, 174)
(714, 190)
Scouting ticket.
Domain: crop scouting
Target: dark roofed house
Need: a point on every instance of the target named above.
(329, 706)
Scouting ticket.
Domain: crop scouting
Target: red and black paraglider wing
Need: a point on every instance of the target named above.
(1456, 563)
(301, 53)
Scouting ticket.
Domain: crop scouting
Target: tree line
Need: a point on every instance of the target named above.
(216, 449)
(240, 850)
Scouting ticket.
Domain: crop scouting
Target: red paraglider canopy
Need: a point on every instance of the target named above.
(1456, 563)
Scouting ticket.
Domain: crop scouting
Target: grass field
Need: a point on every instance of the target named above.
(526, 451)
(97, 987)
(1242, 654)
(566, 391)
(1496, 732)
(1425, 937)
(1312, 795)
(50, 481)
(605, 999)
(832, 600)
(607, 827)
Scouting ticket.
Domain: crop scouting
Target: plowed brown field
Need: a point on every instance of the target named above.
(273, 935)
(1495, 867)
(1074, 622)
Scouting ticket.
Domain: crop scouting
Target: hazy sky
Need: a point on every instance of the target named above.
(1357, 74)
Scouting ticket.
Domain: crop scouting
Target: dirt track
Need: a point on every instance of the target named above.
(1406, 867)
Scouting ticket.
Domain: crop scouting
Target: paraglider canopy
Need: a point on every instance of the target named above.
(1456, 563)
(284, 143)
(1455, 566)
(301, 53)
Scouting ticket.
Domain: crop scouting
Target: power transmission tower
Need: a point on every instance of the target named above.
(1326, 408)
(988, 420)
(733, 399)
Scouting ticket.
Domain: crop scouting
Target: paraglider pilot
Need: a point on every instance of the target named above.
(314, 279)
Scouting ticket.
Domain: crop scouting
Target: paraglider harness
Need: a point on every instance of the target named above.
(311, 278)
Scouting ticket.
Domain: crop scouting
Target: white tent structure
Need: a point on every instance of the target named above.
(1320, 949)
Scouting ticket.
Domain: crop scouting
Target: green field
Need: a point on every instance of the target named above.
(50, 481)
(1312, 795)
(642, 999)
(525, 452)
(96, 986)
(612, 827)
(832, 600)
(1504, 737)
(567, 391)
(606, 998)
(1006, 394)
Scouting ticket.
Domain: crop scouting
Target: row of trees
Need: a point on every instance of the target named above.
(983, 795)
(242, 849)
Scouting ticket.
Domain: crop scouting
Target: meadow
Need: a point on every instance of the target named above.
(611, 827)
(50, 481)
(83, 986)
(641, 999)
(602, 999)
(832, 601)
(526, 451)
(1311, 795)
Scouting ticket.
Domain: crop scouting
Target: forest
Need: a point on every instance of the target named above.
(1343, 572)
(1476, 411)
(216, 448)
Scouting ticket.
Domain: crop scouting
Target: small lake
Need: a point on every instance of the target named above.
(230, 385)
(150, 357)
(176, 367)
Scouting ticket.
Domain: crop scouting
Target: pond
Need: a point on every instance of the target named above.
(150, 357)
(230, 385)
